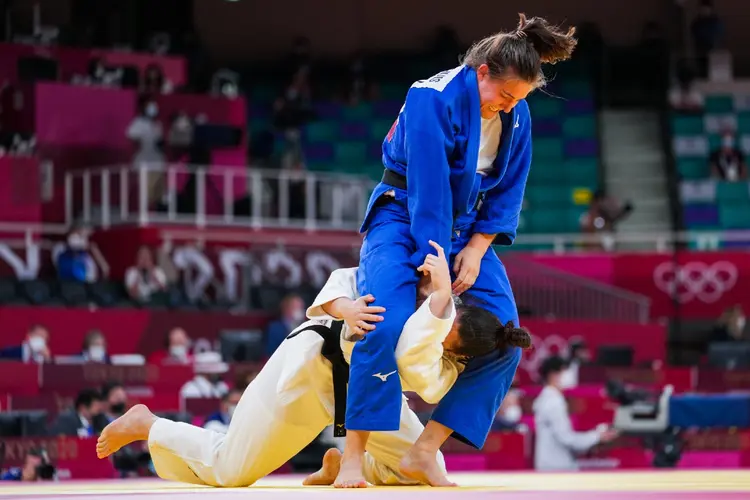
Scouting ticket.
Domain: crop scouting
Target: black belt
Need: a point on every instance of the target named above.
(332, 352)
(399, 181)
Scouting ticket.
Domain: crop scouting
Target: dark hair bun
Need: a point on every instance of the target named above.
(516, 337)
(549, 41)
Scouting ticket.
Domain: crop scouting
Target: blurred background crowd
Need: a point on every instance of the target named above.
(178, 179)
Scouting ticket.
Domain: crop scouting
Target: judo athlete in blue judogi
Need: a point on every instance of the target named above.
(456, 163)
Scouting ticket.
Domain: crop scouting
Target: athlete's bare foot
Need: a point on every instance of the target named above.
(350, 474)
(133, 426)
(422, 466)
(327, 474)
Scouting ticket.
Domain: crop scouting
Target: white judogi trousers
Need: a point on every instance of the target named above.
(283, 410)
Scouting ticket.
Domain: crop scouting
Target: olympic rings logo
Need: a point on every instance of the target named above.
(696, 280)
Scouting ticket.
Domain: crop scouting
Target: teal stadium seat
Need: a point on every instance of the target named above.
(322, 131)
(693, 168)
(548, 149)
(743, 122)
(576, 89)
(549, 196)
(545, 107)
(733, 215)
(352, 153)
(717, 104)
(380, 128)
(687, 125)
(360, 112)
(580, 127)
(733, 192)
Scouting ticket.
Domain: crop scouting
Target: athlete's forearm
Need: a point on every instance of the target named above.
(439, 302)
(481, 241)
(337, 308)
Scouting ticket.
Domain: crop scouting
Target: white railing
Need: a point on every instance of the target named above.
(215, 196)
(548, 292)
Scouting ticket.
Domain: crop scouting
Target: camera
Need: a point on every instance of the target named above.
(44, 471)
(645, 416)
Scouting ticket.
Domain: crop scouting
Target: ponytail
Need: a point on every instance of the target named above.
(509, 335)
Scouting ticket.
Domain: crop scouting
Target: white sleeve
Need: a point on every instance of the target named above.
(563, 430)
(341, 283)
(131, 277)
(216, 426)
(419, 354)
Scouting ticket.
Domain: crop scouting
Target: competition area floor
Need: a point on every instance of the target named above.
(671, 485)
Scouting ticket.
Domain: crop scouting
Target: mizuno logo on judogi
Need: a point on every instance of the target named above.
(384, 377)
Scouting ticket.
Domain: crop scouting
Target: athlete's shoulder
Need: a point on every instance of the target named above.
(443, 82)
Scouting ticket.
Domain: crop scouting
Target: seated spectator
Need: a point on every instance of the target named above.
(177, 350)
(95, 348)
(29, 472)
(731, 326)
(604, 213)
(556, 442)
(684, 96)
(146, 133)
(35, 349)
(219, 421)
(728, 162)
(144, 279)
(180, 136)
(291, 112)
(78, 257)
(509, 414)
(153, 81)
(292, 315)
(207, 382)
(114, 403)
(79, 422)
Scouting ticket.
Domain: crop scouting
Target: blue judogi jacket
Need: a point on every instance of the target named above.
(435, 144)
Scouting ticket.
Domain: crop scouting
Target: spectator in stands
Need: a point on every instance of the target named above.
(207, 382)
(579, 355)
(556, 442)
(509, 414)
(79, 422)
(301, 57)
(707, 29)
(684, 96)
(177, 350)
(146, 133)
(95, 348)
(114, 404)
(357, 79)
(79, 259)
(35, 349)
(33, 460)
(603, 214)
(291, 112)
(728, 162)
(154, 82)
(292, 315)
(219, 421)
(180, 137)
(145, 279)
(731, 326)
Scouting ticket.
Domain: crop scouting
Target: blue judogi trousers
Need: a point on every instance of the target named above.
(386, 272)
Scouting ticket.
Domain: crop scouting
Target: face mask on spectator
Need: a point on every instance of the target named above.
(152, 110)
(728, 142)
(178, 351)
(230, 411)
(513, 414)
(118, 408)
(76, 242)
(741, 322)
(97, 353)
(37, 343)
(298, 315)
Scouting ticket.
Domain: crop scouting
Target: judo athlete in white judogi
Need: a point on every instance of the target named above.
(293, 397)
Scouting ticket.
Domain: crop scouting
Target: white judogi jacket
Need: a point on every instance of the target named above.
(556, 442)
(422, 366)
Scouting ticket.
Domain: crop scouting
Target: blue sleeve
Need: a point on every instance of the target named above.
(470, 406)
(428, 143)
(502, 205)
